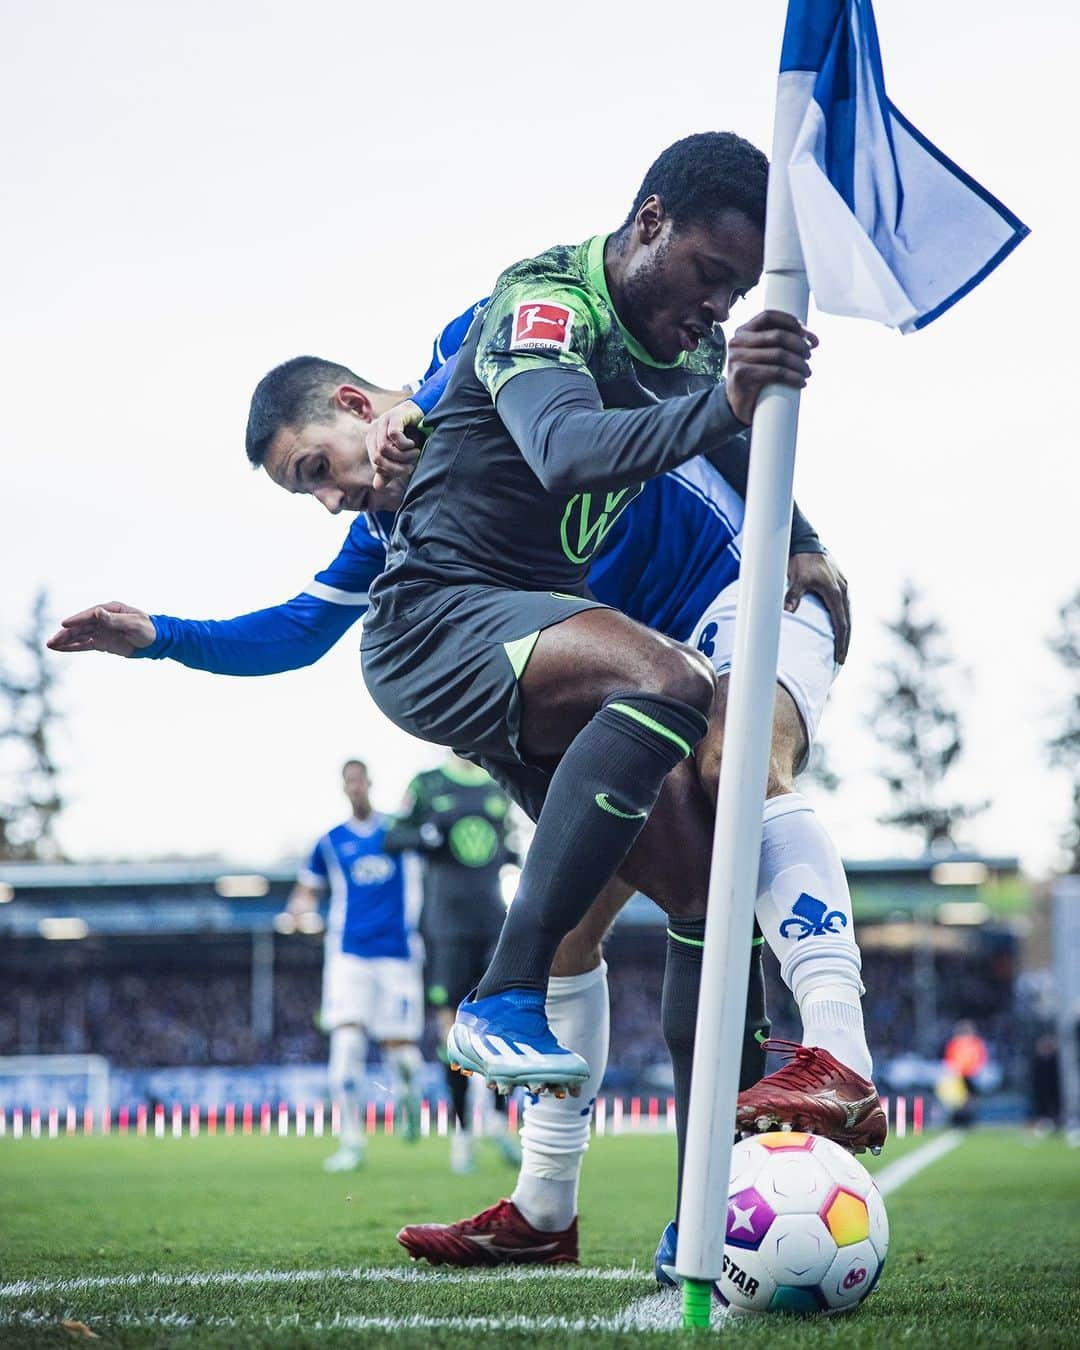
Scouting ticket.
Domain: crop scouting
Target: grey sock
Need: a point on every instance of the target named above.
(679, 1009)
(600, 797)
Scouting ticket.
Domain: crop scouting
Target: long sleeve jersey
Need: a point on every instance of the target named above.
(661, 560)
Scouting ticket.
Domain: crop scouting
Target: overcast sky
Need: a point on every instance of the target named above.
(191, 194)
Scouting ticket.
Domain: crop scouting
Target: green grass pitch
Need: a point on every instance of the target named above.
(252, 1245)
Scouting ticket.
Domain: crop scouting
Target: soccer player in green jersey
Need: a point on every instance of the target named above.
(458, 821)
(593, 368)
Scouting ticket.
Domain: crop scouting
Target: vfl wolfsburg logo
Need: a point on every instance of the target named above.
(810, 918)
(473, 841)
(587, 519)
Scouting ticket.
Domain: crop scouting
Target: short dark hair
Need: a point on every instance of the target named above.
(292, 395)
(704, 174)
(355, 764)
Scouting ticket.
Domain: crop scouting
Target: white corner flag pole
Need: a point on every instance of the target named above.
(744, 769)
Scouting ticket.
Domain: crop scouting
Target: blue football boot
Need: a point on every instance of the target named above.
(506, 1039)
(664, 1262)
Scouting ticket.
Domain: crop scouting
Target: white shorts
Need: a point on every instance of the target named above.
(806, 664)
(382, 994)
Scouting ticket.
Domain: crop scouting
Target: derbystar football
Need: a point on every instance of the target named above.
(806, 1227)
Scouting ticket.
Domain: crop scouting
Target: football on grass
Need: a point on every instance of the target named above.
(806, 1227)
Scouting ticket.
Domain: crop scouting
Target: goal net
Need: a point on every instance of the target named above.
(45, 1082)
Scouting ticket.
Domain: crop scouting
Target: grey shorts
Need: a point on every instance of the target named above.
(446, 668)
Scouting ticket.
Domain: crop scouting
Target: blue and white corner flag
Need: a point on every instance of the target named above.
(886, 226)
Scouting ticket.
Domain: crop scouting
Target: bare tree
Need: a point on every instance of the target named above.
(1065, 747)
(30, 799)
(919, 728)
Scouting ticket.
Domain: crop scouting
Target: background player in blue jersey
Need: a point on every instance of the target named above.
(373, 967)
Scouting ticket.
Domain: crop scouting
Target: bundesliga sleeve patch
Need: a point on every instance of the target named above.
(541, 325)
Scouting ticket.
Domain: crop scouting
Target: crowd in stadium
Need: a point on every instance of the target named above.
(197, 1018)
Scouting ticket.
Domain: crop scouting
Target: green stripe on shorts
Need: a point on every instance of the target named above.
(519, 651)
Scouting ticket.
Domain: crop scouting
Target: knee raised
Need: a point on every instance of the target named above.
(691, 901)
(688, 677)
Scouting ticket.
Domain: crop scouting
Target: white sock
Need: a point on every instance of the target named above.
(405, 1063)
(836, 1025)
(547, 1204)
(804, 909)
(348, 1053)
(555, 1133)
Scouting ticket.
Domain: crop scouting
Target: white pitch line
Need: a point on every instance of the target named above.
(34, 1317)
(360, 1274)
(892, 1177)
(655, 1312)
(661, 1311)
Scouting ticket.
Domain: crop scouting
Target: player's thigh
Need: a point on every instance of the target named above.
(806, 669)
(806, 666)
(349, 992)
(451, 674)
(576, 664)
(788, 749)
(399, 1010)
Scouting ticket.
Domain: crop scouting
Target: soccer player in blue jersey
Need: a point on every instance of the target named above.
(685, 554)
(373, 970)
(692, 583)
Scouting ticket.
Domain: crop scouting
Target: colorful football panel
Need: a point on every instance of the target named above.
(846, 1217)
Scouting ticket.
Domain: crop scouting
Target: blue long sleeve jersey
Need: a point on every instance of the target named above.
(663, 560)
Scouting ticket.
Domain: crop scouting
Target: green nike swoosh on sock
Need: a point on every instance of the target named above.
(601, 799)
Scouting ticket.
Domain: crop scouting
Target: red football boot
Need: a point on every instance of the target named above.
(499, 1236)
(815, 1093)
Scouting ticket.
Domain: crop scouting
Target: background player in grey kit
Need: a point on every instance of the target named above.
(457, 819)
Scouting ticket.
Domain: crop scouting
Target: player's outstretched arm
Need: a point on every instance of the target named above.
(116, 628)
(265, 642)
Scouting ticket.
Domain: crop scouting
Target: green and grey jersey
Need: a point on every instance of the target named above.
(552, 420)
(456, 817)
